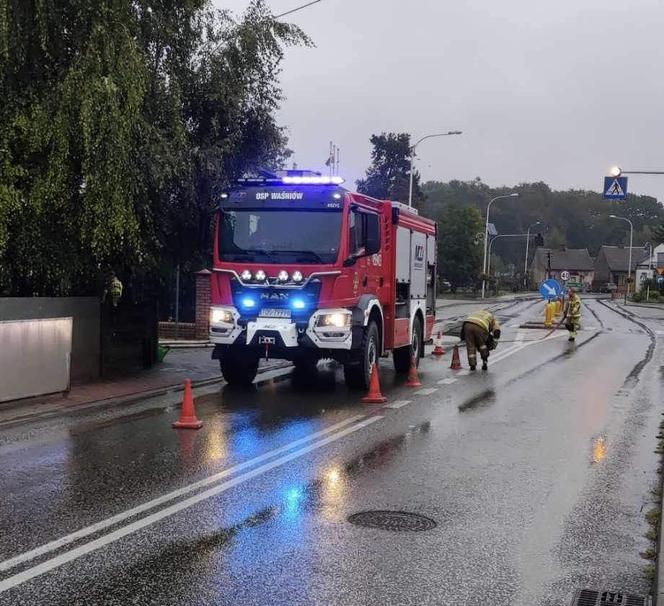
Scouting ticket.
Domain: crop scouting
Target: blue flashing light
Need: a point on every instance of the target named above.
(248, 302)
(298, 304)
(312, 180)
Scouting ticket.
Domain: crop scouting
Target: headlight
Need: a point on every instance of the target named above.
(297, 276)
(260, 276)
(221, 316)
(246, 276)
(283, 276)
(336, 319)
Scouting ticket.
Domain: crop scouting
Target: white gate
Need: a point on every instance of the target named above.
(34, 357)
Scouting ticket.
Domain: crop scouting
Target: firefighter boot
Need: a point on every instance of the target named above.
(485, 366)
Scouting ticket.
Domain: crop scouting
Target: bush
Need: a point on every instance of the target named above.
(637, 297)
(654, 296)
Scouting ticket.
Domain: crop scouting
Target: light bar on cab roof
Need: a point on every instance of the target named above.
(312, 180)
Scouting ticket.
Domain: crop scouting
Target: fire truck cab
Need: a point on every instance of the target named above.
(305, 269)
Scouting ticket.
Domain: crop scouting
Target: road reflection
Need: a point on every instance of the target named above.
(599, 449)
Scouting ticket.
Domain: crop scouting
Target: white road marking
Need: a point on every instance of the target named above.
(660, 332)
(462, 373)
(447, 381)
(111, 537)
(399, 404)
(427, 391)
(514, 325)
(92, 529)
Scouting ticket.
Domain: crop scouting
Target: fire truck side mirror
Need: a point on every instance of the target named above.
(350, 261)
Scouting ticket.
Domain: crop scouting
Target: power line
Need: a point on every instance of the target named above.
(299, 8)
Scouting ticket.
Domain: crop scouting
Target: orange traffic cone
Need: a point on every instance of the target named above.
(374, 396)
(438, 350)
(413, 379)
(188, 419)
(456, 361)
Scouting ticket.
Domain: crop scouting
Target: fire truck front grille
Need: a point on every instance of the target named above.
(301, 302)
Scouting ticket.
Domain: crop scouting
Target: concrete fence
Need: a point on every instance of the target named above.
(38, 334)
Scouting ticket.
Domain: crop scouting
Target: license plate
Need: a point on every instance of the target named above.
(266, 340)
(275, 313)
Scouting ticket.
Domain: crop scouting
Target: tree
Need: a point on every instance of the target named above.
(119, 123)
(388, 177)
(459, 248)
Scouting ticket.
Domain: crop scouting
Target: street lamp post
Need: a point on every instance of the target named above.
(412, 158)
(525, 263)
(486, 234)
(488, 269)
(648, 245)
(616, 171)
(631, 241)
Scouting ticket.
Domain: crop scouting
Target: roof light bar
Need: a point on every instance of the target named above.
(312, 180)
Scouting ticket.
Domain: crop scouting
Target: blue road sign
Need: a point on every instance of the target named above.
(615, 188)
(660, 279)
(550, 289)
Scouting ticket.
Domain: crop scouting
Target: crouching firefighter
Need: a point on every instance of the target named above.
(481, 332)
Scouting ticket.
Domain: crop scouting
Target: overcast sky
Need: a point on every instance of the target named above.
(554, 91)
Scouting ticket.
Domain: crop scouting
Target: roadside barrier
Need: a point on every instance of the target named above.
(188, 419)
(413, 378)
(438, 349)
(456, 361)
(374, 396)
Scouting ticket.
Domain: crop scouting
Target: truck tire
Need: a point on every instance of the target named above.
(357, 373)
(239, 371)
(402, 355)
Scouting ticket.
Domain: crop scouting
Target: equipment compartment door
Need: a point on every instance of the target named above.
(418, 268)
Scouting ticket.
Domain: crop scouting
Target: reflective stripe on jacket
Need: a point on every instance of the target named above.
(485, 319)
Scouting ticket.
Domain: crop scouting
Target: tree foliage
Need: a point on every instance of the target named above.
(120, 121)
(388, 176)
(459, 249)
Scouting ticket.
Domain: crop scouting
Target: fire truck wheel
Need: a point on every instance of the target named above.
(357, 373)
(402, 355)
(239, 371)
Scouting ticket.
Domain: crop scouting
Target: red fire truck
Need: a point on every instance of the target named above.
(305, 269)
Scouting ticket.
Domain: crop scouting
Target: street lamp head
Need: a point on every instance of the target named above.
(615, 171)
(613, 217)
(514, 195)
(455, 132)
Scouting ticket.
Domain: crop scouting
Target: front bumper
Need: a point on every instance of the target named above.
(282, 332)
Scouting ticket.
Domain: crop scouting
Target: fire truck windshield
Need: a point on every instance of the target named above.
(279, 236)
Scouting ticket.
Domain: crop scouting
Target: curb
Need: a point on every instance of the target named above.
(136, 396)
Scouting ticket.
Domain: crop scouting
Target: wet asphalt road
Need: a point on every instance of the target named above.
(538, 474)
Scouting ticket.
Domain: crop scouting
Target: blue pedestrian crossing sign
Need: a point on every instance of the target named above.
(550, 289)
(615, 188)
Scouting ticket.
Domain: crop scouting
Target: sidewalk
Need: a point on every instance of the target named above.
(179, 364)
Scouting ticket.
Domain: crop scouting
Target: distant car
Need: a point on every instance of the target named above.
(446, 285)
(608, 287)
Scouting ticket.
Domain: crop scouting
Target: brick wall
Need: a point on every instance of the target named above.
(186, 330)
(203, 303)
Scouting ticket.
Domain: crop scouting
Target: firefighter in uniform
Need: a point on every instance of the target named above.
(480, 331)
(573, 314)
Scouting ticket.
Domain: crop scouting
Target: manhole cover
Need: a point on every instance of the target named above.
(589, 597)
(392, 520)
